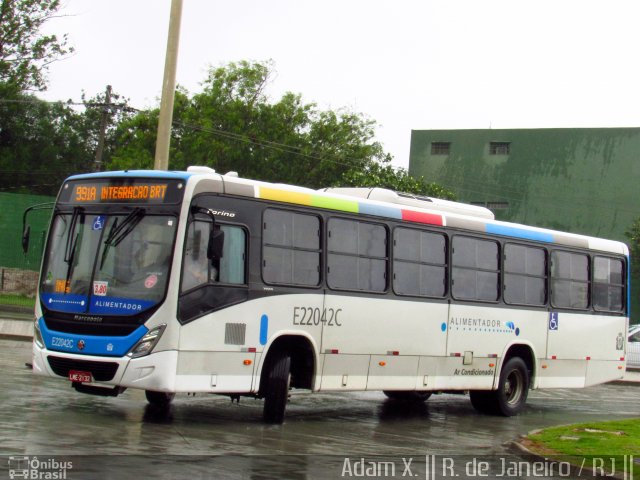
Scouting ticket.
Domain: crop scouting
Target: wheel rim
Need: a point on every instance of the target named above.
(513, 387)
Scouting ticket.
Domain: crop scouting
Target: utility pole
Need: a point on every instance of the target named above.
(168, 88)
(103, 128)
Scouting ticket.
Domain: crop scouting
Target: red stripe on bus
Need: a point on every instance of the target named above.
(420, 217)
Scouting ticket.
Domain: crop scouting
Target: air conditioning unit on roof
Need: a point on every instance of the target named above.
(410, 200)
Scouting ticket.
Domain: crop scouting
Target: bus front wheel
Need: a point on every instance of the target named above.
(482, 400)
(276, 393)
(159, 399)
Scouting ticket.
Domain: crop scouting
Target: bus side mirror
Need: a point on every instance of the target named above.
(216, 236)
(216, 244)
(25, 239)
(26, 228)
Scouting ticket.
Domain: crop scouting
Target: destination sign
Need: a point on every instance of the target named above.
(119, 190)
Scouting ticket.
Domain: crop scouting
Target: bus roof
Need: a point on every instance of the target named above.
(133, 174)
(357, 201)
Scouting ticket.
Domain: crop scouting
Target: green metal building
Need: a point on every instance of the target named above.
(577, 180)
(12, 207)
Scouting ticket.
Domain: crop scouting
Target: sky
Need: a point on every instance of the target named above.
(407, 64)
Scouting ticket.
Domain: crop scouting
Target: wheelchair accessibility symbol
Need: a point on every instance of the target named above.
(98, 223)
(553, 321)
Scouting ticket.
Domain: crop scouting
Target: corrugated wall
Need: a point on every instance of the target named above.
(578, 180)
(12, 207)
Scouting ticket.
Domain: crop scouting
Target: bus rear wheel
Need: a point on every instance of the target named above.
(159, 399)
(407, 396)
(510, 397)
(513, 388)
(276, 392)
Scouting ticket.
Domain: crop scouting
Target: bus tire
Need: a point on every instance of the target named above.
(276, 392)
(482, 400)
(513, 387)
(407, 395)
(159, 399)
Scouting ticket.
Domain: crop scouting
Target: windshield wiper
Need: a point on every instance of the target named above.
(72, 237)
(117, 233)
(72, 243)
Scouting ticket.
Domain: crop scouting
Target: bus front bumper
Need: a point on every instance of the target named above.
(155, 371)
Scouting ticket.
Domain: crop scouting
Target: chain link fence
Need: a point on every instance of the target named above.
(19, 271)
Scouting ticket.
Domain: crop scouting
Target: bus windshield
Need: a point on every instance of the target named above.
(116, 264)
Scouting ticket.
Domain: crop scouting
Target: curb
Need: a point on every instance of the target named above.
(624, 382)
(9, 309)
(16, 325)
(575, 470)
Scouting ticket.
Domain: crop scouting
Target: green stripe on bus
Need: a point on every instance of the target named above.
(334, 204)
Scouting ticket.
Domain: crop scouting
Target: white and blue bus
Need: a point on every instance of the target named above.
(199, 282)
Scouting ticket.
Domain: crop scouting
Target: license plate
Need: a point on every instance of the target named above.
(80, 377)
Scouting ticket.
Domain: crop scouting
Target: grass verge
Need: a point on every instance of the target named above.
(594, 445)
(17, 301)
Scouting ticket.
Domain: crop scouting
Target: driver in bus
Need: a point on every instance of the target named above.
(196, 273)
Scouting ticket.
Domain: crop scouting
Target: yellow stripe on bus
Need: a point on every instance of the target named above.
(285, 196)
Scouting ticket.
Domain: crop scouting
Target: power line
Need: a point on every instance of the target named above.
(267, 144)
(294, 150)
(30, 187)
(261, 143)
(36, 101)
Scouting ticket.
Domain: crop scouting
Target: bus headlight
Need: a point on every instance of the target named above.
(146, 343)
(37, 334)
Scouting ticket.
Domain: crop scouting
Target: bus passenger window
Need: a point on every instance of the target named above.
(608, 284)
(357, 255)
(476, 269)
(525, 277)
(569, 280)
(420, 264)
(290, 248)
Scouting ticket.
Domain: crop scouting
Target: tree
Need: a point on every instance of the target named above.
(233, 125)
(134, 139)
(385, 176)
(25, 53)
(633, 234)
(41, 143)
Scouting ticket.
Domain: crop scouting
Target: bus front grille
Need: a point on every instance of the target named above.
(100, 371)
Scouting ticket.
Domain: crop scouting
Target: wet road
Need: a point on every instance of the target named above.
(45, 417)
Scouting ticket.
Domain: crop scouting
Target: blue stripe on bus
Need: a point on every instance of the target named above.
(519, 233)
(628, 286)
(133, 173)
(380, 211)
(264, 329)
(91, 344)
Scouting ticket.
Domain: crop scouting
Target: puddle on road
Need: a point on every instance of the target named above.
(40, 415)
